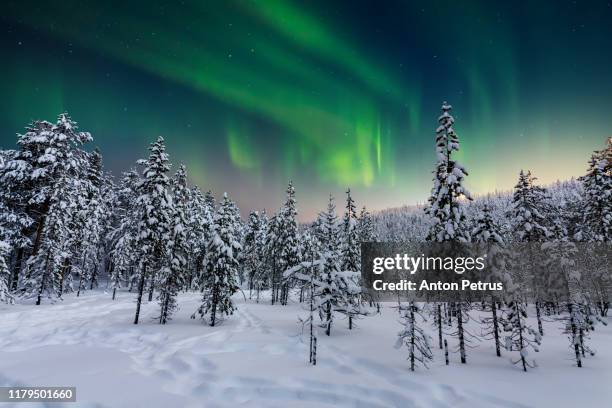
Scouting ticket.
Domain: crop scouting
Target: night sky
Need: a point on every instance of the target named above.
(250, 94)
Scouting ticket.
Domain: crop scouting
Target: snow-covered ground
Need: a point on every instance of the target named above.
(258, 358)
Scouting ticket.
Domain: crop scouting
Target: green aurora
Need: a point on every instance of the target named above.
(250, 94)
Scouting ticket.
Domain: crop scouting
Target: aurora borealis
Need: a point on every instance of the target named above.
(250, 94)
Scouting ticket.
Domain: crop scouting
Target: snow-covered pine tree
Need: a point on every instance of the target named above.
(87, 224)
(333, 288)
(219, 277)
(530, 226)
(251, 251)
(598, 197)
(14, 219)
(413, 336)
(521, 336)
(578, 320)
(528, 209)
(448, 221)
(95, 216)
(261, 277)
(5, 249)
(200, 220)
(289, 246)
(44, 269)
(487, 233)
(272, 253)
(154, 218)
(326, 228)
(211, 203)
(124, 253)
(108, 221)
(309, 252)
(351, 253)
(172, 275)
(444, 208)
(47, 154)
(365, 226)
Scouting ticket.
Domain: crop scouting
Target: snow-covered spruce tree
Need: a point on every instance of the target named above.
(598, 197)
(219, 277)
(444, 207)
(14, 220)
(487, 233)
(154, 218)
(261, 277)
(413, 336)
(521, 337)
(96, 207)
(576, 323)
(596, 227)
(47, 153)
(351, 252)
(306, 273)
(251, 250)
(578, 320)
(200, 219)
(44, 277)
(5, 274)
(528, 210)
(289, 247)
(108, 222)
(172, 275)
(124, 253)
(336, 289)
(211, 203)
(326, 228)
(272, 253)
(332, 289)
(448, 221)
(365, 226)
(87, 224)
(309, 252)
(530, 226)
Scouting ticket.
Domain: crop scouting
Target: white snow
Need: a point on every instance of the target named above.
(258, 358)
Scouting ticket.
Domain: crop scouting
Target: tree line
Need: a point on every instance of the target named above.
(66, 224)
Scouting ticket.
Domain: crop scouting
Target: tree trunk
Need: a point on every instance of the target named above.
(411, 338)
(440, 325)
(520, 332)
(460, 333)
(164, 309)
(151, 287)
(14, 284)
(94, 278)
(446, 351)
(213, 312)
(42, 281)
(40, 227)
(539, 316)
(328, 313)
(495, 328)
(574, 336)
(141, 284)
